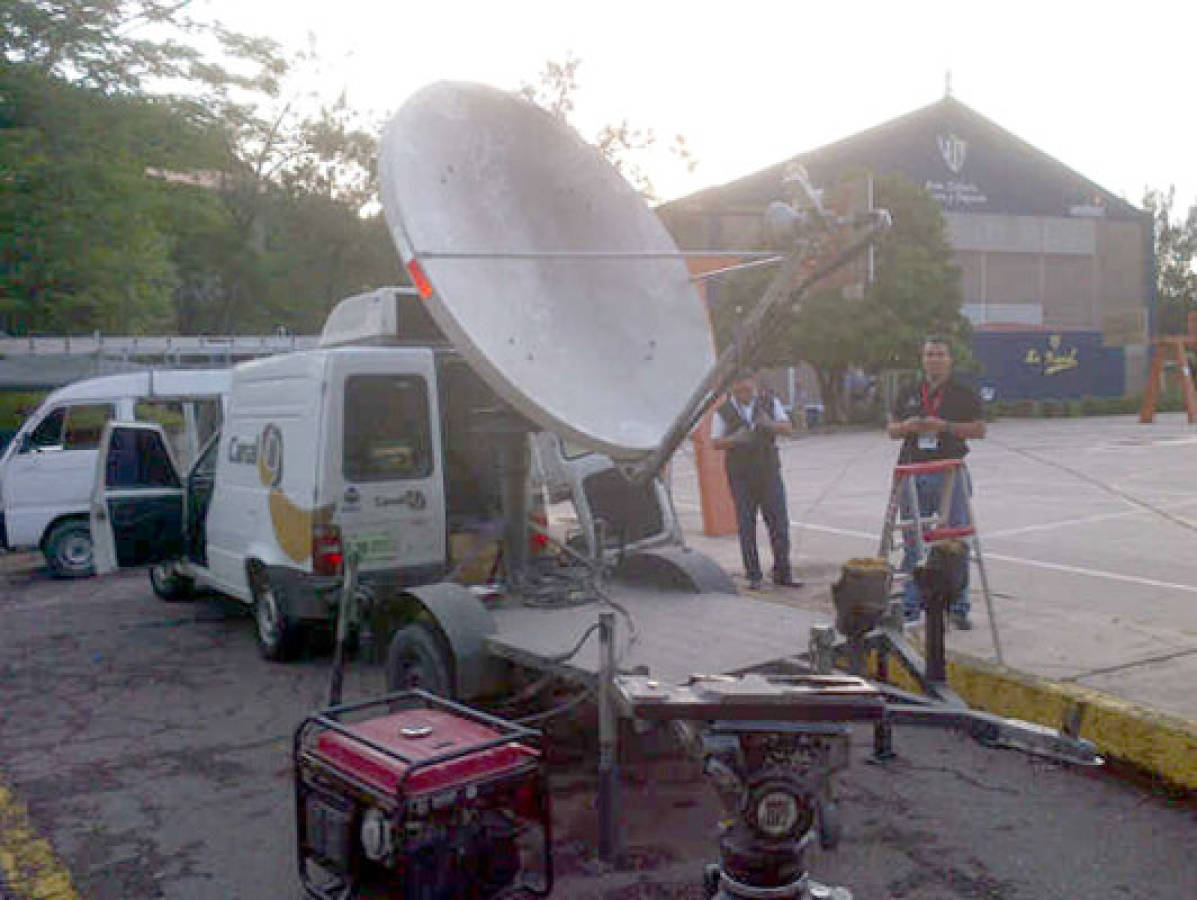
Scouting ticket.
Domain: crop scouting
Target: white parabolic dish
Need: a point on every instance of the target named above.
(499, 203)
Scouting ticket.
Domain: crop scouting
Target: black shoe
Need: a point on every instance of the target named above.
(961, 621)
(787, 581)
(754, 584)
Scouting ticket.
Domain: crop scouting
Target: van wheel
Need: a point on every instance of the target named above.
(277, 635)
(418, 658)
(171, 585)
(68, 549)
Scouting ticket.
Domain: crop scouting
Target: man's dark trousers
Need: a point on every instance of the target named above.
(761, 489)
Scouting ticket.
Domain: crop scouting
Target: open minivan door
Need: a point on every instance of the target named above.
(137, 498)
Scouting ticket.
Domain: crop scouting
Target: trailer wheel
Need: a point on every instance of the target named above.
(171, 585)
(418, 658)
(68, 549)
(277, 634)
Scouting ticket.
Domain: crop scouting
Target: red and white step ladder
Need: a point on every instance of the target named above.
(926, 530)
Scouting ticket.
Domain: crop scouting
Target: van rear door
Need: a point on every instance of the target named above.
(384, 460)
(137, 500)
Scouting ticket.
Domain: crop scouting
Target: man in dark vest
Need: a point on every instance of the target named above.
(933, 419)
(746, 428)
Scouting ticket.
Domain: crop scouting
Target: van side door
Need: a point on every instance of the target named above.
(137, 501)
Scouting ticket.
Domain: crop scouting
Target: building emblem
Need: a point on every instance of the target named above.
(953, 150)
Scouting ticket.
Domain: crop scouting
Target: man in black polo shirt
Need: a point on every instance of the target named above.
(934, 419)
(746, 427)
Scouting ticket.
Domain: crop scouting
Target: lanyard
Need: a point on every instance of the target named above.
(931, 408)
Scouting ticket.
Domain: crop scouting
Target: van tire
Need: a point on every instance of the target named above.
(419, 658)
(169, 584)
(68, 549)
(277, 634)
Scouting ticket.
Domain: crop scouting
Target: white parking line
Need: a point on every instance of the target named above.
(1083, 520)
(1094, 573)
(1015, 560)
(1023, 561)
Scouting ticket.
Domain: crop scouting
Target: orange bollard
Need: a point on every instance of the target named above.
(714, 493)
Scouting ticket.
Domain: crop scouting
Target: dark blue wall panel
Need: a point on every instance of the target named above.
(1020, 365)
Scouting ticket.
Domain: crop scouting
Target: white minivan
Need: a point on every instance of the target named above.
(47, 470)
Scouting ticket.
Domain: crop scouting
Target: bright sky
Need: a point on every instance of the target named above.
(1105, 88)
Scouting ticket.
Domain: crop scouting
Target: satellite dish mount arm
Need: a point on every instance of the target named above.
(780, 295)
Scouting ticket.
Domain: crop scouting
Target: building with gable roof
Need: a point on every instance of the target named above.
(1046, 255)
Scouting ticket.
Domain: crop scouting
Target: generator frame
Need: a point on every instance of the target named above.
(316, 775)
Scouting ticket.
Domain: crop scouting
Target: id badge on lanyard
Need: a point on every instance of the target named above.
(927, 441)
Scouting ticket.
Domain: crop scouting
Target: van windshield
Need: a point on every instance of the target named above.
(386, 428)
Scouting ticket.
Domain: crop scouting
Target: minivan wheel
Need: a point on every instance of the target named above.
(418, 658)
(170, 584)
(68, 549)
(276, 634)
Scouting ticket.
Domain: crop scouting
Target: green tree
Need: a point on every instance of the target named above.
(1175, 251)
(223, 208)
(81, 239)
(298, 203)
(118, 46)
(98, 233)
(916, 290)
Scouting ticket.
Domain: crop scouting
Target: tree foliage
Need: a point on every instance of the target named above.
(147, 185)
(1175, 253)
(81, 236)
(916, 290)
(119, 45)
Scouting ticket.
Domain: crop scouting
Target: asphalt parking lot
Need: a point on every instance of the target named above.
(149, 744)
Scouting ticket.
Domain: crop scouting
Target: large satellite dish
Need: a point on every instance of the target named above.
(545, 268)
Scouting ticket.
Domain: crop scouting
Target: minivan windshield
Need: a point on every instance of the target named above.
(386, 428)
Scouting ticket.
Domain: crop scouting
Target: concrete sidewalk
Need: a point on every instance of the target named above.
(1088, 527)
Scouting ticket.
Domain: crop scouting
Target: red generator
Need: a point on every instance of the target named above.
(412, 796)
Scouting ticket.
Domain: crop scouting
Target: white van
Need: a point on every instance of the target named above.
(367, 448)
(47, 470)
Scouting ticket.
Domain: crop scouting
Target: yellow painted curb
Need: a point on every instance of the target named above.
(29, 869)
(1154, 741)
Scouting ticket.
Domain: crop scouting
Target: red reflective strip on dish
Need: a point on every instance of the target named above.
(419, 279)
